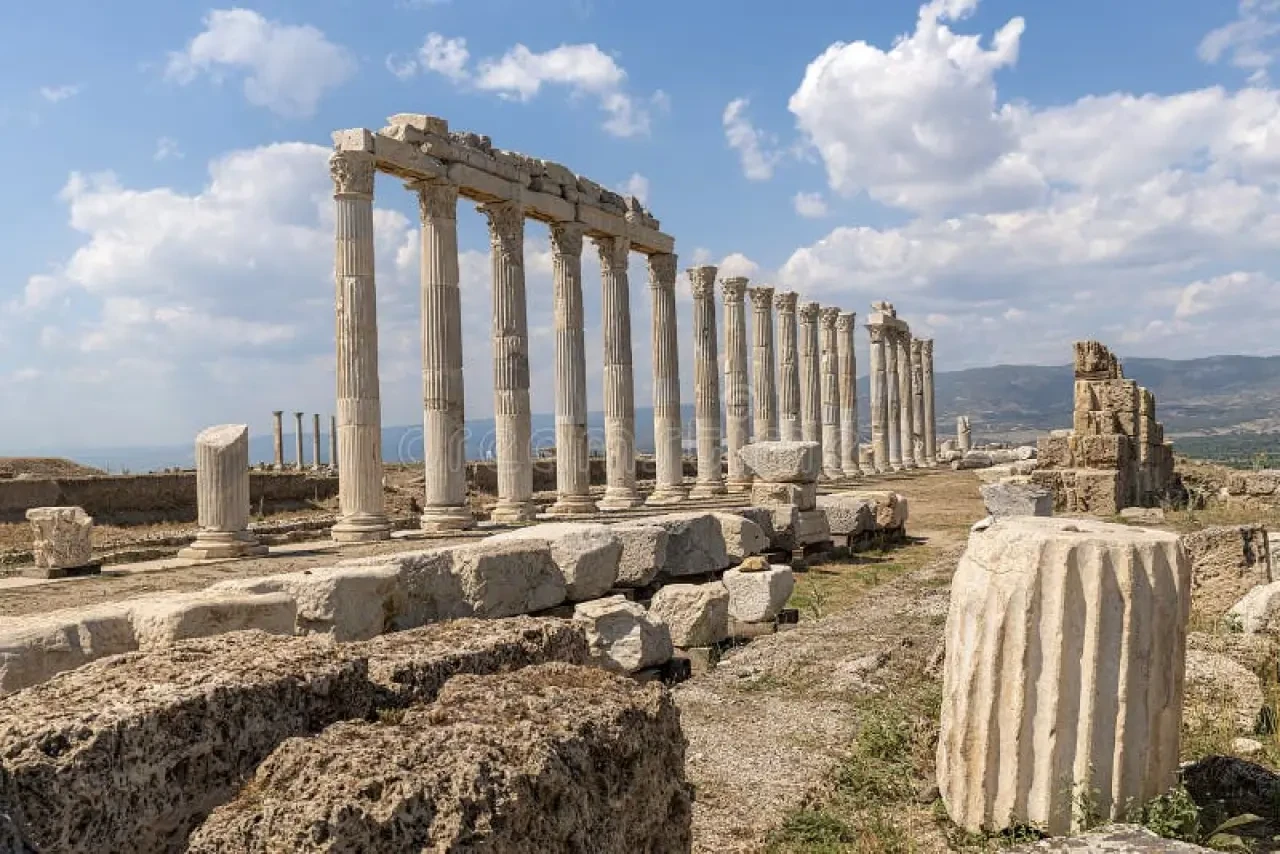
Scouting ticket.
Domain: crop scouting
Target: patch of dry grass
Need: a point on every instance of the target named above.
(836, 584)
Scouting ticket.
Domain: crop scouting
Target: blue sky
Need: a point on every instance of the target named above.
(1011, 175)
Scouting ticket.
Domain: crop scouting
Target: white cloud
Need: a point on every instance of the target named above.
(637, 185)
(288, 68)
(737, 264)
(810, 205)
(55, 94)
(757, 150)
(1249, 42)
(520, 74)
(167, 149)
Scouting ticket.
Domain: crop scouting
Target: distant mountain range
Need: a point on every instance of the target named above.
(1194, 397)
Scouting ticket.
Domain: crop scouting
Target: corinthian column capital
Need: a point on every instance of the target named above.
(566, 238)
(809, 312)
(352, 173)
(829, 317)
(845, 321)
(437, 200)
(506, 224)
(702, 280)
(662, 271)
(761, 298)
(785, 301)
(734, 289)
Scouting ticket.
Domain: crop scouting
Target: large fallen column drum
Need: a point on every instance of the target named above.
(1063, 680)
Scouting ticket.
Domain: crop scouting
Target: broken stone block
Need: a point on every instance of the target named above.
(1017, 499)
(803, 495)
(973, 460)
(622, 636)
(1105, 452)
(61, 540)
(742, 537)
(644, 552)
(345, 603)
(586, 553)
(1055, 452)
(550, 758)
(695, 543)
(847, 515)
(36, 647)
(889, 510)
(777, 522)
(783, 462)
(1143, 515)
(1093, 361)
(755, 597)
(696, 614)
(1102, 492)
(163, 620)
(1227, 561)
(503, 579)
(1258, 611)
(1219, 687)
(811, 528)
(1044, 613)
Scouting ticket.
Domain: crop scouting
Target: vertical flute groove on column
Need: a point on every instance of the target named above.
(737, 401)
(846, 323)
(572, 463)
(444, 455)
(892, 388)
(277, 435)
(512, 419)
(930, 425)
(879, 400)
(788, 368)
(905, 399)
(333, 442)
(810, 373)
(667, 428)
(763, 369)
(832, 464)
(706, 382)
(917, 402)
(222, 495)
(619, 381)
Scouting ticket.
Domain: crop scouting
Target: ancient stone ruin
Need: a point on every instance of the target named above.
(1115, 455)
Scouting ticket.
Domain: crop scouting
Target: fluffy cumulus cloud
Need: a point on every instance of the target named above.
(521, 74)
(287, 68)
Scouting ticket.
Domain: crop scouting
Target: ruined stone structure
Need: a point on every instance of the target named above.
(222, 495)
(901, 384)
(964, 434)
(62, 541)
(1115, 455)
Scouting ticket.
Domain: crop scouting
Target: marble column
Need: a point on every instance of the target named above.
(892, 389)
(737, 393)
(513, 425)
(668, 486)
(573, 474)
(222, 495)
(905, 399)
(333, 442)
(930, 425)
(298, 440)
(619, 383)
(763, 377)
(706, 382)
(917, 402)
(788, 368)
(832, 461)
(879, 398)
(277, 434)
(362, 515)
(810, 373)
(315, 441)
(846, 323)
(444, 438)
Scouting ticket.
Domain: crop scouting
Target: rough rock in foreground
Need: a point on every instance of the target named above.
(1114, 839)
(552, 758)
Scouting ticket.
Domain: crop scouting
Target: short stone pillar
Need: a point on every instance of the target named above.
(297, 439)
(277, 434)
(1063, 679)
(964, 434)
(786, 473)
(63, 541)
(222, 495)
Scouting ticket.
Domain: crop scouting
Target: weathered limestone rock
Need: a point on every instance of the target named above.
(1258, 611)
(973, 460)
(644, 552)
(36, 647)
(695, 543)
(848, 515)
(697, 614)
(622, 636)
(742, 537)
(1065, 643)
(811, 528)
(587, 554)
(1113, 839)
(1227, 561)
(784, 462)
(344, 603)
(503, 579)
(964, 434)
(1220, 690)
(551, 758)
(889, 509)
(767, 494)
(1016, 499)
(61, 540)
(755, 597)
(163, 620)
(778, 522)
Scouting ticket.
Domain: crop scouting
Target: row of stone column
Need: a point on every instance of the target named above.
(903, 430)
(278, 436)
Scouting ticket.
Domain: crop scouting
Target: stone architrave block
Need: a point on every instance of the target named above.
(1085, 623)
(1258, 611)
(1227, 562)
(160, 621)
(847, 515)
(756, 597)
(695, 543)
(503, 579)
(803, 495)
(742, 537)
(783, 462)
(344, 603)
(550, 758)
(36, 647)
(696, 614)
(1017, 499)
(644, 552)
(62, 540)
(621, 635)
(586, 553)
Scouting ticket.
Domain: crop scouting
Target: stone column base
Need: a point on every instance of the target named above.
(215, 545)
(854, 472)
(708, 490)
(446, 518)
(513, 511)
(572, 505)
(829, 475)
(738, 486)
(665, 496)
(620, 499)
(361, 529)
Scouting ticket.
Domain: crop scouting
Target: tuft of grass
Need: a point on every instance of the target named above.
(815, 831)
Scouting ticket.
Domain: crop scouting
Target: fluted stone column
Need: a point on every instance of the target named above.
(362, 515)
(917, 402)
(879, 398)
(846, 323)
(298, 440)
(905, 399)
(619, 382)
(222, 495)
(930, 425)
(706, 382)
(668, 487)
(333, 442)
(444, 444)
(810, 373)
(512, 417)
(315, 441)
(277, 434)
(763, 371)
(964, 433)
(737, 394)
(832, 461)
(573, 474)
(892, 390)
(788, 368)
